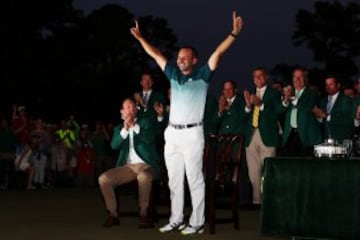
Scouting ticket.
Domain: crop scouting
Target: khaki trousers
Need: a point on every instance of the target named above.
(256, 152)
(114, 177)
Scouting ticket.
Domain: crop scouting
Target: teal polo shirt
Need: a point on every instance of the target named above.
(188, 94)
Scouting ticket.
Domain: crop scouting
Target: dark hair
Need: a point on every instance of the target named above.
(259, 68)
(193, 50)
(233, 83)
(278, 82)
(302, 69)
(337, 81)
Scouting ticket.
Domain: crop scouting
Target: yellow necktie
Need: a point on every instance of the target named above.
(255, 120)
(256, 112)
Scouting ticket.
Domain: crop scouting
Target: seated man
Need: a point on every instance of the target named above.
(138, 160)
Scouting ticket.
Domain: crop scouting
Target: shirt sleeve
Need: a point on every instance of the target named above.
(136, 128)
(124, 133)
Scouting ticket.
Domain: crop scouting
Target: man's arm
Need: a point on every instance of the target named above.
(149, 49)
(226, 43)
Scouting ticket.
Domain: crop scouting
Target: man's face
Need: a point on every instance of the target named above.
(299, 79)
(260, 78)
(146, 82)
(186, 60)
(128, 109)
(228, 90)
(331, 86)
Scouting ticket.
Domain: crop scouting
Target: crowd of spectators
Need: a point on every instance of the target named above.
(39, 155)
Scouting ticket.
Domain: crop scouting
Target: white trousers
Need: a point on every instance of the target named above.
(183, 153)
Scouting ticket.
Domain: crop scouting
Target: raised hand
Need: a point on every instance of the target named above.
(135, 31)
(237, 23)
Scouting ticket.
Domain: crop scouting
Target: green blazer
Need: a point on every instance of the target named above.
(233, 120)
(268, 119)
(309, 128)
(144, 143)
(210, 115)
(150, 111)
(356, 103)
(341, 124)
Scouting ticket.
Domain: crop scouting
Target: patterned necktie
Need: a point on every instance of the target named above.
(145, 97)
(329, 105)
(256, 112)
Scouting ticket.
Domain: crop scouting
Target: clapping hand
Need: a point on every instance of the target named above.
(159, 108)
(247, 97)
(223, 104)
(318, 112)
(288, 92)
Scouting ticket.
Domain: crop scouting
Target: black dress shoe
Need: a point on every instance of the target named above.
(111, 221)
(145, 222)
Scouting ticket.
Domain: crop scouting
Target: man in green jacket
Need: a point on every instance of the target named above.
(138, 160)
(231, 115)
(262, 133)
(301, 128)
(335, 112)
(232, 120)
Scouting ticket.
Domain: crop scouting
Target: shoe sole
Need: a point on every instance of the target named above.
(200, 231)
(179, 228)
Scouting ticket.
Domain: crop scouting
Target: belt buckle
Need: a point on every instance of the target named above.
(182, 126)
(179, 126)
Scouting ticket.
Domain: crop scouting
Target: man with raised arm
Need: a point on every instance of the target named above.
(184, 138)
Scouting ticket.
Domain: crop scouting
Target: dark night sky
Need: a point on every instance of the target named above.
(264, 41)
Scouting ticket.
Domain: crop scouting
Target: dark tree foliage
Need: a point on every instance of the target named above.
(58, 61)
(24, 28)
(282, 72)
(332, 32)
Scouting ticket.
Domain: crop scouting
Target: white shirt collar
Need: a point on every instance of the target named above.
(231, 100)
(334, 97)
(148, 92)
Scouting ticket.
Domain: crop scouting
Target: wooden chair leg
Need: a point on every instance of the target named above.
(211, 208)
(152, 204)
(235, 207)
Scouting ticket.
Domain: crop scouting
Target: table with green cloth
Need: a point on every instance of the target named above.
(311, 197)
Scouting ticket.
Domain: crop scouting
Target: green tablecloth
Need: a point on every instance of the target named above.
(311, 197)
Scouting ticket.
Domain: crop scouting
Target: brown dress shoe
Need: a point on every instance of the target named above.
(111, 221)
(145, 222)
